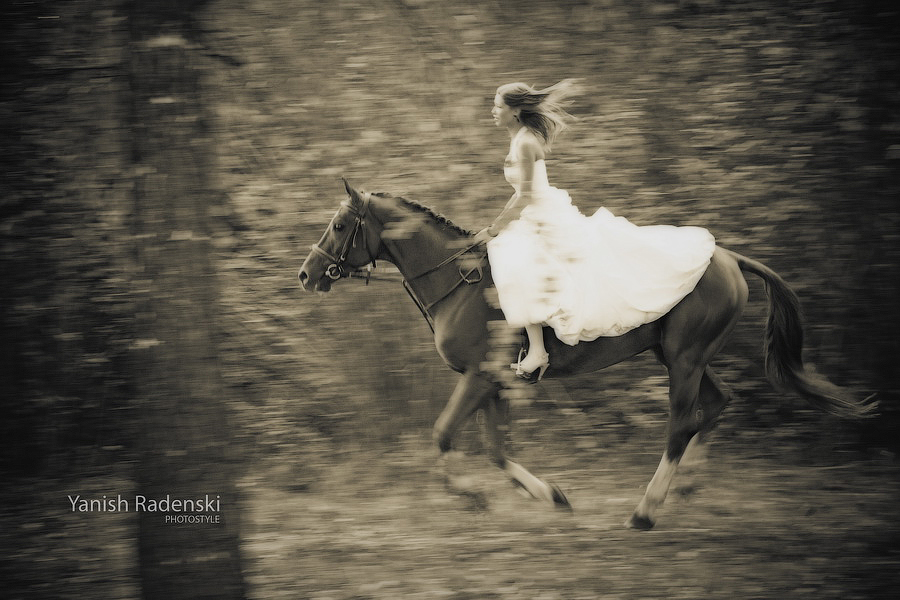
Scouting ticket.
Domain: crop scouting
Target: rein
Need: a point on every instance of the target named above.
(444, 262)
(473, 275)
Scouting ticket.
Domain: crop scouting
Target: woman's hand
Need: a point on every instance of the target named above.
(484, 236)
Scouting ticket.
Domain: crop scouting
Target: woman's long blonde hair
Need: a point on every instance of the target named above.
(542, 111)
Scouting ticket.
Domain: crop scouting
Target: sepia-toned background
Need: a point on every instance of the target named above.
(166, 166)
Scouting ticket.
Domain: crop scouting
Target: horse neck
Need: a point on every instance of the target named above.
(422, 243)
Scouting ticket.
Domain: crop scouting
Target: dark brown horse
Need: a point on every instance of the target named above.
(441, 270)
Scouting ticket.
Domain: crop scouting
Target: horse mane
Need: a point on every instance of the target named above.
(421, 208)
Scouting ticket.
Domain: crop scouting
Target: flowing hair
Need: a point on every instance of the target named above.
(542, 111)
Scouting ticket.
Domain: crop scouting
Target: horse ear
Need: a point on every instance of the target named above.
(354, 195)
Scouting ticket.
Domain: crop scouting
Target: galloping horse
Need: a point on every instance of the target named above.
(435, 259)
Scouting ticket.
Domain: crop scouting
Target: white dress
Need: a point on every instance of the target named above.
(594, 276)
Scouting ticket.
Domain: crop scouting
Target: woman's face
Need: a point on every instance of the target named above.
(504, 116)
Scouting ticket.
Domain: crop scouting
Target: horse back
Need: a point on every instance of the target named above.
(716, 301)
(465, 320)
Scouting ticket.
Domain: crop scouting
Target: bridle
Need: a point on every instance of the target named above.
(336, 269)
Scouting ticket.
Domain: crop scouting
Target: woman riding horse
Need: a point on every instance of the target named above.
(629, 289)
(585, 277)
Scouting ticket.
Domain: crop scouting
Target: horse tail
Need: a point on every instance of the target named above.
(784, 350)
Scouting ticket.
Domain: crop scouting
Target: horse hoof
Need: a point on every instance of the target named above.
(559, 499)
(639, 523)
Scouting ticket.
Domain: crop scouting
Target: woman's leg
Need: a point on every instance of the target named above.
(537, 353)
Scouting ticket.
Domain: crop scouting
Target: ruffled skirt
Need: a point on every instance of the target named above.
(594, 276)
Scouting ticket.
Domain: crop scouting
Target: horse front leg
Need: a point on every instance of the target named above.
(497, 422)
(470, 393)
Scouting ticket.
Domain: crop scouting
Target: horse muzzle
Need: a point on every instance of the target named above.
(310, 283)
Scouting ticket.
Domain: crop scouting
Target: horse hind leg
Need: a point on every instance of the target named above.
(694, 332)
(683, 427)
(714, 397)
(697, 396)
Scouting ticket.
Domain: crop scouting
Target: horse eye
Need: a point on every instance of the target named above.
(338, 226)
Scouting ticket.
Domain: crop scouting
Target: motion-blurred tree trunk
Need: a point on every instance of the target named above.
(183, 417)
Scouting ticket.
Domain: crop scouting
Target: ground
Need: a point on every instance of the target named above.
(764, 518)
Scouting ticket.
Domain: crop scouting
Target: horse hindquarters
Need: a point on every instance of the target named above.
(692, 333)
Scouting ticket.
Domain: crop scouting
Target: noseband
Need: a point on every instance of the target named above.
(336, 269)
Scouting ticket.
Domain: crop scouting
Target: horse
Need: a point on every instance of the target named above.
(447, 276)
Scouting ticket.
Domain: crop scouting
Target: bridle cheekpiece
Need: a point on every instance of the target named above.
(336, 270)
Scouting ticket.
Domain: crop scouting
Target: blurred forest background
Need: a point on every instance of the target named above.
(167, 165)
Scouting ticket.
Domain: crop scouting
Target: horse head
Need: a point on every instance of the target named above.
(350, 242)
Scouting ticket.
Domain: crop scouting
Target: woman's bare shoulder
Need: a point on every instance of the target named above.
(530, 146)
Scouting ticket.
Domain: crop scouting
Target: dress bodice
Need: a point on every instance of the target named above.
(512, 171)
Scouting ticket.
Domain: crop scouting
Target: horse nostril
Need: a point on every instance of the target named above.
(303, 277)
